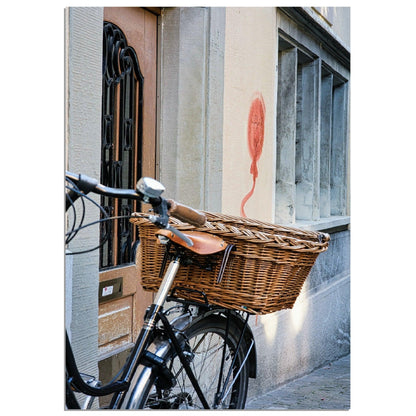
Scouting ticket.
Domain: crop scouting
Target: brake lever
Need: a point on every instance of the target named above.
(157, 221)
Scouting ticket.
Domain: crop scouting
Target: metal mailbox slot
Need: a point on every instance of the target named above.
(110, 289)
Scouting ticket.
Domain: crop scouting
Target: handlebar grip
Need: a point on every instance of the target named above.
(186, 214)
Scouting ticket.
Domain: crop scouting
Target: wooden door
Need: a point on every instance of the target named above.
(128, 152)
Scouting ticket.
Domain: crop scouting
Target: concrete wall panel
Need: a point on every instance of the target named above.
(83, 134)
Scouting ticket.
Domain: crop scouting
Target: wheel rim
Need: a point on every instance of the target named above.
(204, 352)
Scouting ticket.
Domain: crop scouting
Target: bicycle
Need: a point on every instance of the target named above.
(192, 355)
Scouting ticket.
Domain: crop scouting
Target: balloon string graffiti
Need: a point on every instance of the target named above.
(255, 140)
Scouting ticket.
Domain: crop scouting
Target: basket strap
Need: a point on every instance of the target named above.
(224, 262)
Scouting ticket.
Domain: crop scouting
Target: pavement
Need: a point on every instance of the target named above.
(326, 388)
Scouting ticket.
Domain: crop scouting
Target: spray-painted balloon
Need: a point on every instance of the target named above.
(255, 139)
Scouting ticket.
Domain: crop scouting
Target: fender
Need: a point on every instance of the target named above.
(238, 321)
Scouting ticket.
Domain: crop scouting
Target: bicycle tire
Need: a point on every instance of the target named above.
(203, 337)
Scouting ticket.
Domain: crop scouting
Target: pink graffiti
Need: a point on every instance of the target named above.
(255, 140)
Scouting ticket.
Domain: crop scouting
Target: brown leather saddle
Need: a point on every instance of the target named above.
(203, 243)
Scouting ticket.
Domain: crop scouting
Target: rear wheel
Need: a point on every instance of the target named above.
(204, 345)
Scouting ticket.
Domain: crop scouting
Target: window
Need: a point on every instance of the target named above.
(122, 118)
(312, 112)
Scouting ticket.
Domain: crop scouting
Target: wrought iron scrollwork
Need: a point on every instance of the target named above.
(119, 59)
(122, 127)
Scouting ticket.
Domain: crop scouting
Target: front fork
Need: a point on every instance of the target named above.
(147, 328)
(128, 398)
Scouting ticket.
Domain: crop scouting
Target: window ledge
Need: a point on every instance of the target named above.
(330, 224)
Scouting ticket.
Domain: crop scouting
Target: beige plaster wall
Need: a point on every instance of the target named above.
(249, 68)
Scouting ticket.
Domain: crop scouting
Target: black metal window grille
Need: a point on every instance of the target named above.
(121, 143)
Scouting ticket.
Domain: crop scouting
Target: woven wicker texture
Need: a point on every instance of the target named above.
(265, 271)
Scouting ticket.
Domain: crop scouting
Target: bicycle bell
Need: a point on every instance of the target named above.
(149, 188)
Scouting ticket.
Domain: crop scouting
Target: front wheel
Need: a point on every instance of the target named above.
(205, 346)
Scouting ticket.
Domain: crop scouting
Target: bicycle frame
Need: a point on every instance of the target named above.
(123, 397)
(127, 389)
(154, 314)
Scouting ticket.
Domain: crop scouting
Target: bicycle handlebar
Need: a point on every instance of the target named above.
(182, 212)
(88, 184)
(186, 214)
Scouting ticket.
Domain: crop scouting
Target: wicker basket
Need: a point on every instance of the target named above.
(265, 271)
